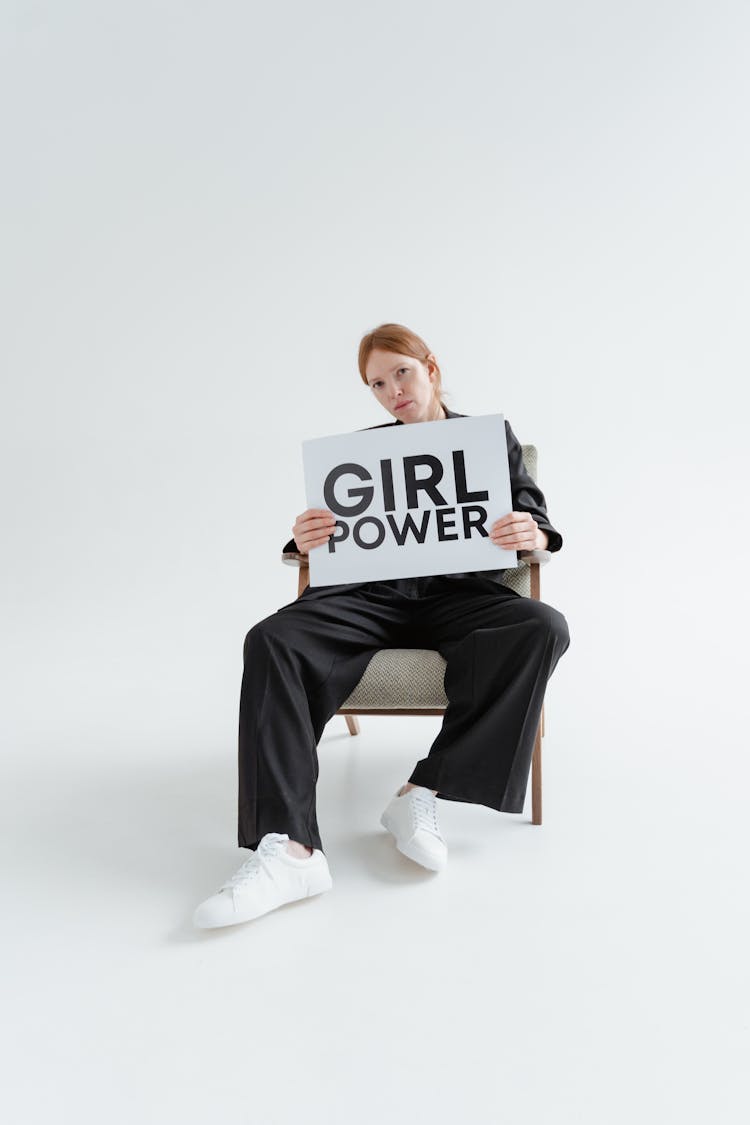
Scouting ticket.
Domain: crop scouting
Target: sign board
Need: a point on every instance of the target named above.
(410, 500)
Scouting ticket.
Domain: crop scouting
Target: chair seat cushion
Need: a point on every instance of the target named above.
(401, 678)
(412, 678)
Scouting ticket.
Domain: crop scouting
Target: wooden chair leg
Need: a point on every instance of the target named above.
(536, 778)
(353, 723)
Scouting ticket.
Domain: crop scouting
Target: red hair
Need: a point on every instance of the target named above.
(401, 340)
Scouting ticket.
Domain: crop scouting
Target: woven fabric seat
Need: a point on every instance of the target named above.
(411, 679)
(400, 677)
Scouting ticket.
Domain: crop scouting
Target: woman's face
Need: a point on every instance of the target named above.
(404, 386)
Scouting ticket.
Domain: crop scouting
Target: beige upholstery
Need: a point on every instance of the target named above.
(400, 677)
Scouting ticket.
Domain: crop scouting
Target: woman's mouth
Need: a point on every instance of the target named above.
(401, 405)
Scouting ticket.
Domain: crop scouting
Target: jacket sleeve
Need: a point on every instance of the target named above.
(526, 495)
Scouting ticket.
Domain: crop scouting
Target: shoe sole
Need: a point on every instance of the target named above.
(323, 884)
(317, 887)
(413, 852)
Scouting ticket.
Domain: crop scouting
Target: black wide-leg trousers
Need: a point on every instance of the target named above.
(303, 661)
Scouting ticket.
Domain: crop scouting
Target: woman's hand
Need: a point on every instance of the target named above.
(313, 528)
(518, 531)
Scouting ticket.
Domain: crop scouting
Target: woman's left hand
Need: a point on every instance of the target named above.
(518, 531)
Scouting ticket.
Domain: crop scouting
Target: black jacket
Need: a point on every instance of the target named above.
(526, 497)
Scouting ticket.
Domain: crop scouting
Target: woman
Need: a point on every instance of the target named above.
(303, 661)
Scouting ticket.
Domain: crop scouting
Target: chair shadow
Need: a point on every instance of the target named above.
(151, 821)
(155, 821)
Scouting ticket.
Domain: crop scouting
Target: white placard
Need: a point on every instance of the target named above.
(410, 500)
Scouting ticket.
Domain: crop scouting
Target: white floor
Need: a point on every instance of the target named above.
(592, 969)
(207, 204)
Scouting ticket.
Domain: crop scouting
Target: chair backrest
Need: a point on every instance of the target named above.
(519, 578)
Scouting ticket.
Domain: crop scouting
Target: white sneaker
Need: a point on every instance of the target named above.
(412, 819)
(269, 878)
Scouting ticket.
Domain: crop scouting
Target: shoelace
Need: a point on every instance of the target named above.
(272, 843)
(424, 812)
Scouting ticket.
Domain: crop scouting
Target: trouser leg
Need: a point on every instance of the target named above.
(300, 664)
(500, 650)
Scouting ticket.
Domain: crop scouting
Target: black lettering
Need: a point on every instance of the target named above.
(409, 525)
(366, 493)
(443, 514)
(386, 475)
(478, 523)
(459, 471)
(425, 484)
(335, 537)
(357, 533)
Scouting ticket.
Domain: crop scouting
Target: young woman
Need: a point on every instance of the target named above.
(302, 662)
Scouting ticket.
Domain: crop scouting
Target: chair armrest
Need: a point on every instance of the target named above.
(295, 558)
(538, 556)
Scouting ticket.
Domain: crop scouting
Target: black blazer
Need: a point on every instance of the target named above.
(526, 497)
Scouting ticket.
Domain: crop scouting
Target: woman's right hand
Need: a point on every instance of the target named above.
(313, 528)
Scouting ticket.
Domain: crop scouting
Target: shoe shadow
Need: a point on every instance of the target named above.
(375, 854)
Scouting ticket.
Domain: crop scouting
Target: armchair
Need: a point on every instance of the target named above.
(409, 681)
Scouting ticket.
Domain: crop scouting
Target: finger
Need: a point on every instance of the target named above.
(508, 541)
(322, 534)
(313, 513)
(504, 532)
(310, 527)
(315, 522)
(514, 523)
(509, 520)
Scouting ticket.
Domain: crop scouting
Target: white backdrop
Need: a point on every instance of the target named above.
(204, 208)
